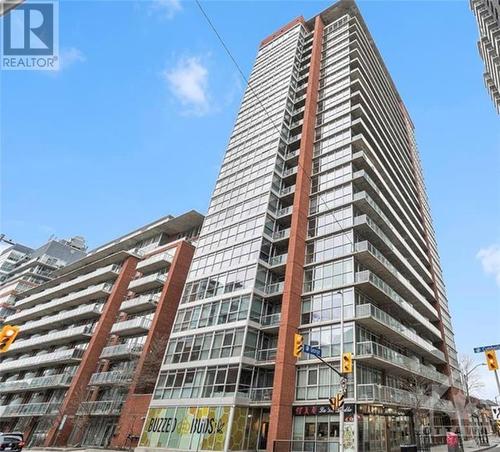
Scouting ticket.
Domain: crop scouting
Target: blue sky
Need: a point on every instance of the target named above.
(135, 123)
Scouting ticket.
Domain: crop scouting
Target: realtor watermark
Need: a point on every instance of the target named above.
(30, 37)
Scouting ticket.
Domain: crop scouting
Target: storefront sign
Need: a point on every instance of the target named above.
(182, 427)
(317, 410)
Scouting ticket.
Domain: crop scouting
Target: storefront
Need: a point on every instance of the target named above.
(206, 428)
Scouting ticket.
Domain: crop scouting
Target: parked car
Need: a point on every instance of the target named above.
(13, 441)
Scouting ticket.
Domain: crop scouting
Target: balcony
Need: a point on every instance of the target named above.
(397, 364)
(372, 257)
(100, 408)
(112, 378)
(57, 304)
(92, 278)
(270, 322)
(281, 235)
(51, 339)
(386, 395)
(264, 357)
(278, 262)
(140, 303)
(44, 360)
(132, 327)
(148, 282)
(83, 312)
(121, 351)
(284, 212)
(379, 289)
(382, 323)
(31, 409)
(37, 383)
(261, 395)
(291, 154)
(274, 288)
(287, 191)
(290, 171)
(156, 261)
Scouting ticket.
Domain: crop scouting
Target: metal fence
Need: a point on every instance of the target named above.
(311, 446)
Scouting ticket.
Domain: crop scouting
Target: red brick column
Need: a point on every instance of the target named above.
(139, 395)
(90, 358)
(280, 425)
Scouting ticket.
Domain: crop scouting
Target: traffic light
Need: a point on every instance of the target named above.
(298, 344)
(491, 359)
(7, 336)
(347, 363)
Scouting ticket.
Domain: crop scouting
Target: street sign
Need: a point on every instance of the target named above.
(495, 411)
(316, 351)
(487, 347)
(337, 401)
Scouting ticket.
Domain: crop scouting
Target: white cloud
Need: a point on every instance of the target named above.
(490, 260)
(188, 82)
(70, 56)
(167, 8)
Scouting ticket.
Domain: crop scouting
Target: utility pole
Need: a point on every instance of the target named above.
(341, 414)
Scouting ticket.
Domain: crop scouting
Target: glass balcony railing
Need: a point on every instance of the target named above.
(114, 377)
(284, 211)
(275, 288)
(368, 276)
(287, 190)
(59, 303)
(261, 394)
(290, 171)
(62, 336)
(266, 355)
(31, 384)
(86, 279)
(404, 362)
(155, 260)
(121, 350)
(140, 302)
(100, 408)
(385, 394)
(132, 326)
(270, 319)
(73, 314)
(278, 260)
(31, 409)
(43, 360)
(280, 235)
(149, 281)
(369, 310)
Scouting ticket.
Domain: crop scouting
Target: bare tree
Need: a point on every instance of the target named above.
(470, 378)
(420, 399)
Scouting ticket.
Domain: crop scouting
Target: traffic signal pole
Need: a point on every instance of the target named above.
(341, 414)
(498, 381)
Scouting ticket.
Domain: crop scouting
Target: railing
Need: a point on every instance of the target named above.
(138, 322)
(284, 211)
(368, 276)
(84, 330)
(113, 268)
(42, 360)
(284, 233)
(271, 319)
(111, 378)
(278, 260)
(291, 154)
(261, 394)
(405, 362)
(369, 310)
(155, 277)
(290, 171)
(266, 355)
(287, 190)
(100, 408)
(141, 299)
(274, 288)
(94, 307)
(121, 350)
(49, 381)
(165, 256)
(283, 445)
(386, 394)
(39, 310)
(31, 409)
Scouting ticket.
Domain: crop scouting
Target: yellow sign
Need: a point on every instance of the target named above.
(186, 428)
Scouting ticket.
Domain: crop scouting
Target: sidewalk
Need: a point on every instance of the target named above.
(470, 446)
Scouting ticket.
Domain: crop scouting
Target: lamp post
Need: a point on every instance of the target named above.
(341, 413)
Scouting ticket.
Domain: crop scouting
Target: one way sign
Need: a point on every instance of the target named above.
(495, 411)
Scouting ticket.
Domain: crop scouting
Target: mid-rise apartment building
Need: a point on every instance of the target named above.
(22, 267)
(319, 224)
(84, 365)
(487, 14)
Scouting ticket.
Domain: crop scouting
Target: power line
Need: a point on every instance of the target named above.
(233, 59)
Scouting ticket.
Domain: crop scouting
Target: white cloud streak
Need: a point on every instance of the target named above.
(70, 56)
(167, 9)
(490, 261)
(188, 82)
